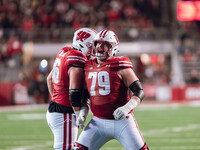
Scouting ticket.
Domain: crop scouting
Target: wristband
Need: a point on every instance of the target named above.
(77, 113)
(84, 111)
(131, 104)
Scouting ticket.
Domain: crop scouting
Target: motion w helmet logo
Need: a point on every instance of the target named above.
(83, 36)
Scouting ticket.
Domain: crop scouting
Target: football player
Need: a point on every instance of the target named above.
(65, 83)
(108, 80)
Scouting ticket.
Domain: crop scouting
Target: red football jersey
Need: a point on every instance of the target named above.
(66, 57)
(107, 90)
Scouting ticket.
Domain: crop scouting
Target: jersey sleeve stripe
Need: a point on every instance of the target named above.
(77, 57)
(125, 62)
(83, 61)
(125, 65)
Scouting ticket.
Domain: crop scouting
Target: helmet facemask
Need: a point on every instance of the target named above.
(90, 48)
(103, 50)
(109, 44)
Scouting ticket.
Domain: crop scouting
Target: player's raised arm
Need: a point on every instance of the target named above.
(108, 79)
(130, 80)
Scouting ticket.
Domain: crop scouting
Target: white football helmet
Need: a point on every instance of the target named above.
(83, 40)
(108, 37)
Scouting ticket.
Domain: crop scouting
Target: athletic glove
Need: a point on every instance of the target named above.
(77, 114)
(122, 112)
(82, 117)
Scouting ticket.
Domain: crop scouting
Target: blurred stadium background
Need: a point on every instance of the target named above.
(161, 37)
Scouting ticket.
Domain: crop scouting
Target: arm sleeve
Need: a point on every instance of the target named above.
(137, 89)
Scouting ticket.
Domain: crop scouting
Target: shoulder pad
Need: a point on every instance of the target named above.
(122, 62)
(76, 59)
(63, 51)
(67, 48)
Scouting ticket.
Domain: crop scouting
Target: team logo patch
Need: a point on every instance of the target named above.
(83, 36)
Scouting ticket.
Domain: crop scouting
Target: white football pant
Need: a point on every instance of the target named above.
(64, 129)
(99, 131)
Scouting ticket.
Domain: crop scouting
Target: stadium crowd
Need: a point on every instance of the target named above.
(59, 14)
(48, 20)
(55, 21)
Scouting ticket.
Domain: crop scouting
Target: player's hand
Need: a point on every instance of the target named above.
(120, 113)
(77, 114)
(123, 111)
(80, 122)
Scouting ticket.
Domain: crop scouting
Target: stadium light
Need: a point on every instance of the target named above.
(43, 65)
(188, 10)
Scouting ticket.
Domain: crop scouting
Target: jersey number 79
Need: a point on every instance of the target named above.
(103, 83)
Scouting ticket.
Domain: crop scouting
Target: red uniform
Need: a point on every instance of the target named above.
(107, 90)
(107, 80)
(60, 115)
(107, 93)
(66, 57)
(65, 86)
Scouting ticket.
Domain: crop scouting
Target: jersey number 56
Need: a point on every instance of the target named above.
(55, 73)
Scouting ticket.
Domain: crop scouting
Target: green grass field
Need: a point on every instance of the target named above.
(163, 128)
